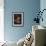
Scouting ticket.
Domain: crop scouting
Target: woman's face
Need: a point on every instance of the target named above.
(18, 20)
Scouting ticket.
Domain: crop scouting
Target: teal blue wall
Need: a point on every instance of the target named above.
(29, 7)
(43, 6)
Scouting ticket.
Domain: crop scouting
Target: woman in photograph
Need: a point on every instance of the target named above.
(17, 19)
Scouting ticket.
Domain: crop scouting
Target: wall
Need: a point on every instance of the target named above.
(29, 7)
(43, 6)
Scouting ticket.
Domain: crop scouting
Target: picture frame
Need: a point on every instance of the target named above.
(18, 19)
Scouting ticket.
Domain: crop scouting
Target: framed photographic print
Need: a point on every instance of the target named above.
(18, 19)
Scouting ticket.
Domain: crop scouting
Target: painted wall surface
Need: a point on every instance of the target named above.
(43, 6)
(29, 7)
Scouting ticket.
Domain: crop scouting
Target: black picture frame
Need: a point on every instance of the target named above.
(18, 19)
